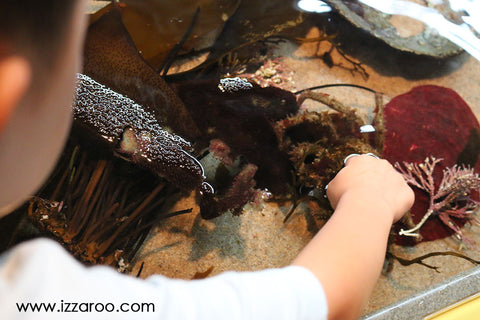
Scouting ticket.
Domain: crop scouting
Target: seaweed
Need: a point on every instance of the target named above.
(452, 199)
(429, 121)
(111, 58)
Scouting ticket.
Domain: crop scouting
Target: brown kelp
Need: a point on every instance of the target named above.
(112, 59)
(158, 26)
(246, 37)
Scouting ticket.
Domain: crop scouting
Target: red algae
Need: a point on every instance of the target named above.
(430, 121)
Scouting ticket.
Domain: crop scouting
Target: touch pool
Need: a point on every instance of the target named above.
(291, 51)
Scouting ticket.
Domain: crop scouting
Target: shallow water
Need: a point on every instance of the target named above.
(261, 43)
(258, 238)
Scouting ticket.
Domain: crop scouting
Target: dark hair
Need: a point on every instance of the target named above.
(34, 28)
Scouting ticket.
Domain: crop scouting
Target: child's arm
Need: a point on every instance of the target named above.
(368, 195)
(345, 256)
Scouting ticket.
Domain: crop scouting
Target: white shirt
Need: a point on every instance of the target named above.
(40, 274)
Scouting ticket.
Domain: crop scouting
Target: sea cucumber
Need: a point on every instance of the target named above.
(135, 134)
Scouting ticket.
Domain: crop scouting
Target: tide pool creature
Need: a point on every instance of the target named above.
(242, 115)
(134, 134)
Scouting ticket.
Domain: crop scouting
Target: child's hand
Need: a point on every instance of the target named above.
(373, 180)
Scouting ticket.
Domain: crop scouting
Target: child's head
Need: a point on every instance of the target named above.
(40, 50)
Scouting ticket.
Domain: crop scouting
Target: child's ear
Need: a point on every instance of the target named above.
(15, 76)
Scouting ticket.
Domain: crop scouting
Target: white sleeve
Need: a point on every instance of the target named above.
(40, 275)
